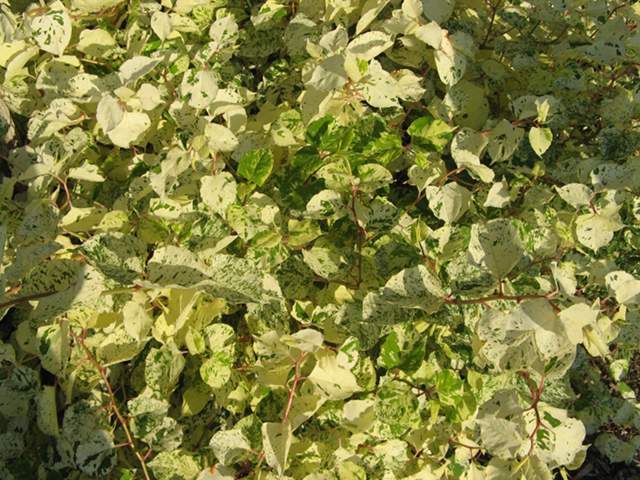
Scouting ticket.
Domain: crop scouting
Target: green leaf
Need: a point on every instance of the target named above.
(256, 166)
(431, 133)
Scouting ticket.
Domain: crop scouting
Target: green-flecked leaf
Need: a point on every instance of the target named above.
(326, 204)
(150, 423)
(83, 442)
(218, 192)
(230, 446)
(175, 465)
(117, 255)
(256, 165)
(415, 287)
(52, 30)
(373, 176)
(496, 244)
(504, 140)
(53, 346)
(233, 278)
(162, 369)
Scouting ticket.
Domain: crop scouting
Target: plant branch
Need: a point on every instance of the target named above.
(362, 234)
(292, 391)
(63, 184)
(494, 12)
(113, 404)
(25, 299)
(536, 394)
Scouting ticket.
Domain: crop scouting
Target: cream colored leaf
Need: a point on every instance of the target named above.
(370, 11)
(95, 42)
(331, 379)
(498, 196)
(276, 440)
(540, 139)
(220, 138)
(109, 113)
(449, 202)
(496, 244)
(161, 24)
(624, 286)
(575, 194)
(218, 192)
(130, 129)
(369, 45)
(595, 230)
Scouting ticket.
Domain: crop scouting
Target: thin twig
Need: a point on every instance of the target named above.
(114, 406)
(63, 183)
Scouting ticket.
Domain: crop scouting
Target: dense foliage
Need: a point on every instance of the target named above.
(318, 239)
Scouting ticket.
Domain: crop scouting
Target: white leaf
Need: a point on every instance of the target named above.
(137, 322)
(94, 6)
(149, 96)
(370, 11)
(95, 42)
(330, 74)
(450, 63)
(379, 88)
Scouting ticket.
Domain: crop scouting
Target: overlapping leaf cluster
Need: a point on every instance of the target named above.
(318, 239)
